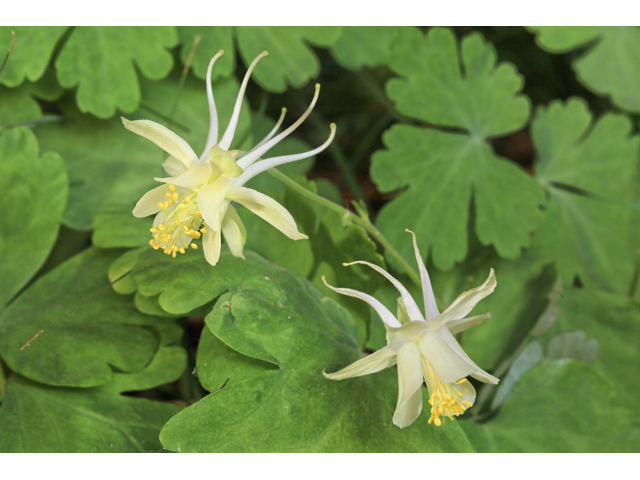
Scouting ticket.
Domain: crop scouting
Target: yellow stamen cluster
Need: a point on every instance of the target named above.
(446, 401)
(183, 223)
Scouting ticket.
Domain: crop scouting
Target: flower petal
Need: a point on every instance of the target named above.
(173, 166)
(272, 132)
(447, 364)
(211, 244)
(465, 302)
(412, 309)
(457, 326)
(194, 177)
(268, 163)
(234, 232)
(409, 332)
(165, 139)
(210, 199)
(227, 137)
(430, 306)
(386, 316)
(161, 217)
(148, 204)
(453, 344)
(268, 209)
(410, 381)
(224, 162)
(256, 153)
(373, 363)
(212, 137)
(466, 389)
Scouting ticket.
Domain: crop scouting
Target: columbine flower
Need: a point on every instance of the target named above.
(424, 349)
(196, 199)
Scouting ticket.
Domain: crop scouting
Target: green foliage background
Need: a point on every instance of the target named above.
(508, 148)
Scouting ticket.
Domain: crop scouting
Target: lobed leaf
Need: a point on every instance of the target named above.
(559, 406)
(38, 418)
(440, 171)
(34, 190)
(70, 329)
(290, 60)
(31, 53)
(102, 62)
(361, 46)
(283, 320)
(588, 169)
(611, 64)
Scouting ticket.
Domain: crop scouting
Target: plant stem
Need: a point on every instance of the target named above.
(362, 220)
(183, 77)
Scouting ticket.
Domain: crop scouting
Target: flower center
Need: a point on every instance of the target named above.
(447, 399)
(182, 223)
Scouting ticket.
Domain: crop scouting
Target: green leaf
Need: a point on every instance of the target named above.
(31, 54)
(290, 59)
(102, 63)
(116, 227)
(120, 272)
(166, 366)
(212, 39)
(613, 321)
(611, 64)
(188, 281)
(331, 243)
(37, 418)
(573, 345)
(218, 365)
(531, 356)
(34, 191)
(16, 105)
(442, 170)
(77, 329)
(360, 47)
(588, 169)
(284, 320)
(106, 163)
(560, 406)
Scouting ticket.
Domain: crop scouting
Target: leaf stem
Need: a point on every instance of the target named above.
(361, 219)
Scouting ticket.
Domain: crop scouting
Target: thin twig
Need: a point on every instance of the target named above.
(28, 344)
(4, 62)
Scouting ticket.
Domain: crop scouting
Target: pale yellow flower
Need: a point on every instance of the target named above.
(424, 349)
(196, 200)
